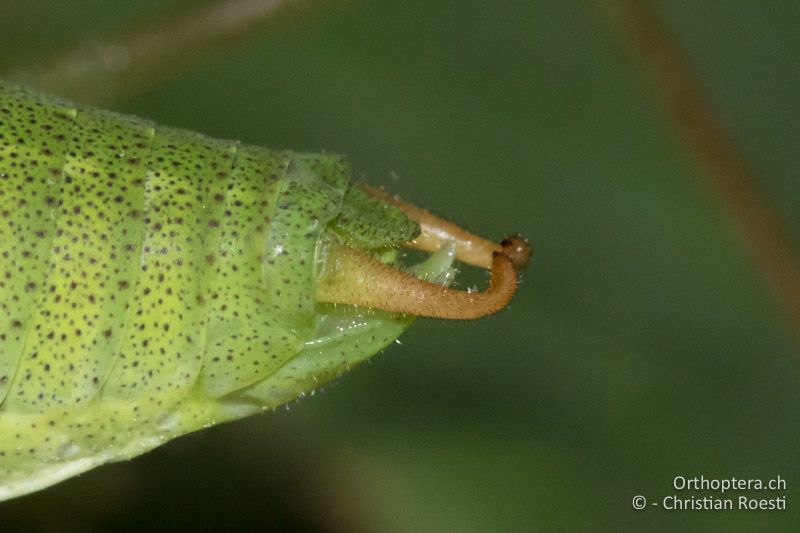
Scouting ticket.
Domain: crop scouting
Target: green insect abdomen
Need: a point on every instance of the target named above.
(153, 282)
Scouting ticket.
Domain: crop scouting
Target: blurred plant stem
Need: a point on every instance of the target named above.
(661, 60)
(100, 70)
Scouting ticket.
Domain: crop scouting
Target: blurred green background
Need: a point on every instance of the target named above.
(642, 345)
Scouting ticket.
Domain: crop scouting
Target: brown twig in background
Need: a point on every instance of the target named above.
(101, 70)
(660, 58)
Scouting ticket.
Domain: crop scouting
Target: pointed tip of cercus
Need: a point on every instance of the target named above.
(367, 282)
(518, 250)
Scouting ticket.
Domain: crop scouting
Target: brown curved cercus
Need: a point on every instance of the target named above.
(354, 278)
